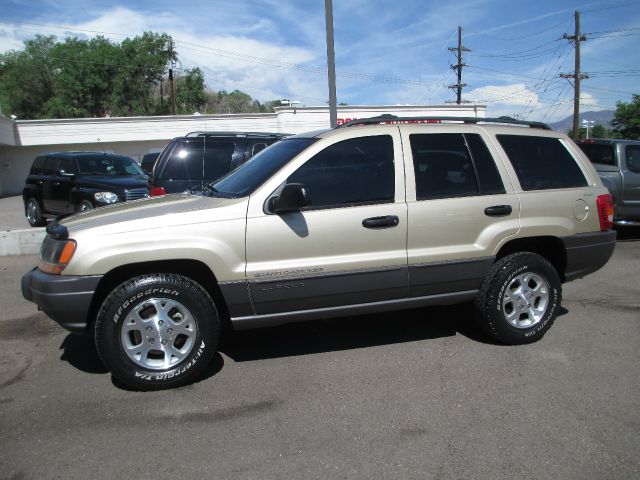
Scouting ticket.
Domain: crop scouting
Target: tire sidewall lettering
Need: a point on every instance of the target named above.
(149, 292)
(151, 376)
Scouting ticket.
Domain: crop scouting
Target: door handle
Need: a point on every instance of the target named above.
(381, 222)
(498, 210)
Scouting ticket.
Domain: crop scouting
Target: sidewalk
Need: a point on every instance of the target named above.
(16, 236)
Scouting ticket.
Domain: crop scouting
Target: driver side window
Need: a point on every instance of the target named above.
(357, 171)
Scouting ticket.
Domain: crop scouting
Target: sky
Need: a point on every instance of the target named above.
(388, 52)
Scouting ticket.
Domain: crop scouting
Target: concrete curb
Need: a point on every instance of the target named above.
(21, 242)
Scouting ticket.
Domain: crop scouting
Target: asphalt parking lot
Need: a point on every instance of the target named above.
(414, 394)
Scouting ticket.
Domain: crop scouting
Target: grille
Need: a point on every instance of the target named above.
(136, 194)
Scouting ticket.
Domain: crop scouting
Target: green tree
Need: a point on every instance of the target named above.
(626, 119)
(191, 95)
(27, 78)
(142, 64)
(85, 72)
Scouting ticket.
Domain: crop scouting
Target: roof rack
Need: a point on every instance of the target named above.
(232, 134)
(393, 119)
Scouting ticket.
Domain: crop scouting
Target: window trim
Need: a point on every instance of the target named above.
(334, 206)
(474, 163)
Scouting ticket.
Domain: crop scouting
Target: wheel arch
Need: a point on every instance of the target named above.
(551, 248)
(193, 269)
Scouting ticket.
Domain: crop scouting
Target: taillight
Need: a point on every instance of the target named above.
(605, 211)
(157, 191)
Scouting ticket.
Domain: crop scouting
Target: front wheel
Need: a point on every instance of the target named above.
(84, 205)
(157, 331)
(519, 299)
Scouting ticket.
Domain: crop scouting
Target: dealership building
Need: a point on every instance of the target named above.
(22, 140)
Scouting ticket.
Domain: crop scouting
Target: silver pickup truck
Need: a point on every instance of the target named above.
(618, 164)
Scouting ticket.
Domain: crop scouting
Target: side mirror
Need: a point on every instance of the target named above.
(292, 198)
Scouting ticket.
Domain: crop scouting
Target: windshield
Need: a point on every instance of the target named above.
(108, 166)
(245, 179)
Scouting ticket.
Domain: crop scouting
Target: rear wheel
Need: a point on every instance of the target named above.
(157, 331)
(519, 299)
(34, 213)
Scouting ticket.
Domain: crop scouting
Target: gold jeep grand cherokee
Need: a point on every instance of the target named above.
(378, 214)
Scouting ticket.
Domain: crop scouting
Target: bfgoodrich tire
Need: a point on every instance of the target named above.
(519, 299)
(157, 331)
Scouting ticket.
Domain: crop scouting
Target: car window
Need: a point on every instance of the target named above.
(66, 165)
(542, 163)
(108, 165)
(633, 158)
(245, 179)
(453, 165)
(36, 168)
(600, 154)
(350, 172)
(185, 162)
(50, 166)
(217, 159)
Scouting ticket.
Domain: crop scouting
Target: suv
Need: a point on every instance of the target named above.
(376, 215)
(68, 182)
(618, 164)
(199, 158)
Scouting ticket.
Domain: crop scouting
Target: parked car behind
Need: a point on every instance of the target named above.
(68, 182)
(148, 161)
(199, 158)
(618, 164)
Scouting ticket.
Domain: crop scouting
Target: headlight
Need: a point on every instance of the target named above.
(55, 254)
(105, 197)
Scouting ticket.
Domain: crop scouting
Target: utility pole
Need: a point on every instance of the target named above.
(577, 76)
(458, 68)
(172, 93)
(331, 63)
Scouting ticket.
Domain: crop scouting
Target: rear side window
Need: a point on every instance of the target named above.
(50, 166)
(185, 162)
(542, 163)
(633, 158)
(36, 168)
(453, 165)
(351, 172)
(600, 154)
(217, 159)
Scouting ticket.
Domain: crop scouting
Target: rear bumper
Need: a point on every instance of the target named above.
(588, 252)
(64, 298)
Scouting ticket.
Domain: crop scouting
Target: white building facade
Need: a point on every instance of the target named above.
(22, 140)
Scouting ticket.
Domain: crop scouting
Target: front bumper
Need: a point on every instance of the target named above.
(588, 252)
(64, 298)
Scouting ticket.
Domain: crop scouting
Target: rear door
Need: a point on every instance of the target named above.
(460, 209)
(49, 183)
(62, 185)
(349, 246)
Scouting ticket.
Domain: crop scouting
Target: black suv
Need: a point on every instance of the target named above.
(198, 158)
(67, 182)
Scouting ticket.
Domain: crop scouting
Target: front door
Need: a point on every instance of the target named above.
(349, 246)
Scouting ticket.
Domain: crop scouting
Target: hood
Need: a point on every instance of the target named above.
(157, 212)
(113, 181)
